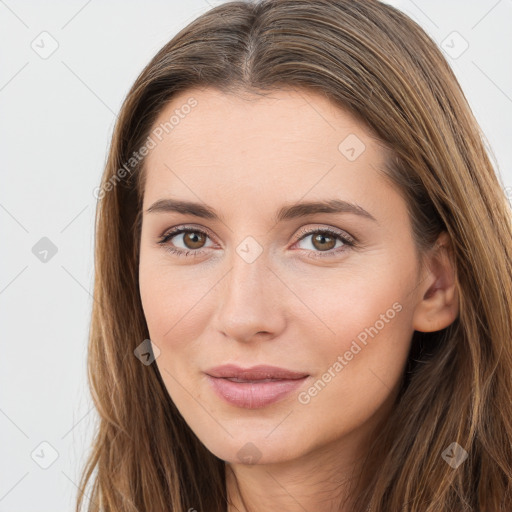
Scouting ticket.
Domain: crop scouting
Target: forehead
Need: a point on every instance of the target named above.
(277, 119)
(287, 144)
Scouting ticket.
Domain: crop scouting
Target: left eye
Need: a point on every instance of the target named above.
(324, 241)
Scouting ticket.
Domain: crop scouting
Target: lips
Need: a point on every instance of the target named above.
(256, 373)
(253, 387)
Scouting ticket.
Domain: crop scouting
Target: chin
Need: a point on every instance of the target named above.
(254, 449)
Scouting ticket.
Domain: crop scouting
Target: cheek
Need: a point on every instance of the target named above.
(171, 305)
(171, 300)
(363, 364)
(367, 328)
(356, 303)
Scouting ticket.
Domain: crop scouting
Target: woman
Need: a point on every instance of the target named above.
(303, 275)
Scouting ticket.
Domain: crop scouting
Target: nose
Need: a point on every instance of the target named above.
(251, 302)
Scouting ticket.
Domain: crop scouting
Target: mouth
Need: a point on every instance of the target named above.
(233, 379)
(255, 373)
(255, 387)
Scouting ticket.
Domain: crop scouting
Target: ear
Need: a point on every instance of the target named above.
(439, 297)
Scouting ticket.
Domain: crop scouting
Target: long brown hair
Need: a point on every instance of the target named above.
(372, 60)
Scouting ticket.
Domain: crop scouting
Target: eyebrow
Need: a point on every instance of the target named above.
(286, 212)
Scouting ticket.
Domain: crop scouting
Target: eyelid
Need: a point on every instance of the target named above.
(168, 233)
(347, 237)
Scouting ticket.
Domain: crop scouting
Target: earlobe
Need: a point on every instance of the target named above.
(439, 299)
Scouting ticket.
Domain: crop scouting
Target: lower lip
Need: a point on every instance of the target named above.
(253, 395)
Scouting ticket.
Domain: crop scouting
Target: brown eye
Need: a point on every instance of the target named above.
(185, 241)
(193, 239)
(323, 242)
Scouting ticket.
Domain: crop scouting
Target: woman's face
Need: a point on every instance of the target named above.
(257, 280)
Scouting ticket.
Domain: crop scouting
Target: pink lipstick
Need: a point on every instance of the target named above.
(255, 387)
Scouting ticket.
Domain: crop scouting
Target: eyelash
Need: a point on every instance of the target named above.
(347, 240)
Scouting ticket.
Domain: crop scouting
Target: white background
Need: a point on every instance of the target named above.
(57, 116)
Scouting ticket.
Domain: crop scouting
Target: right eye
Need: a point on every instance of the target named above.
(191, 238)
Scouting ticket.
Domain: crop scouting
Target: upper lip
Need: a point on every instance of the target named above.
(259, 372)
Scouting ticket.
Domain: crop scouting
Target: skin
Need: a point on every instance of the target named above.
(246, 157)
